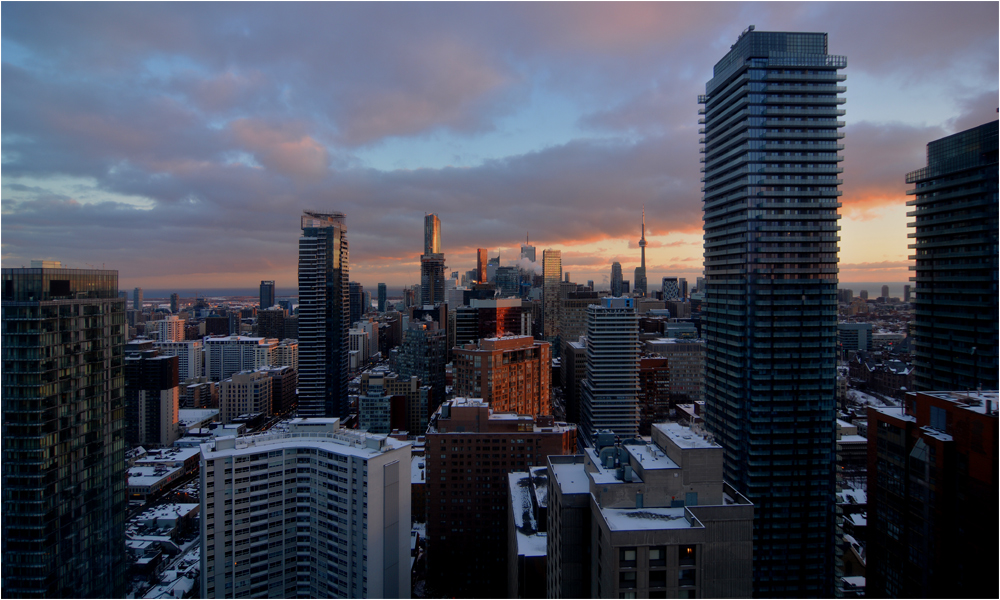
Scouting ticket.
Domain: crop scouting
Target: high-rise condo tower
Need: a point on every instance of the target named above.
(324, 312)
(771, 163)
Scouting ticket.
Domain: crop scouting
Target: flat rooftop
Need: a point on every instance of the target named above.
(637, 519)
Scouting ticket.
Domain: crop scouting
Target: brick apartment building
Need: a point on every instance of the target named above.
(470, 449)
(510, 373)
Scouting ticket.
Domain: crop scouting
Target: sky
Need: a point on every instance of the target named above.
(180, 143)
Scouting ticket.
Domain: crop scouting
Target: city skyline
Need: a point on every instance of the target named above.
(159, 137)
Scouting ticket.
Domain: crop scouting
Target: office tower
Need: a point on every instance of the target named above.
(682, 285)
(686, 358)
(190, 357)
(511, 374)
(175, 301)
(617, 282)
(527, 250)
(232, 354)
(284, 380)
(863, 295)
(266, 294)
(590, 285)
(432, 234)
(271, 323)
(356, 298)
(324, 315)
(852, 337)
(64, 493)
(508, 281)
(573, 372)
(245, 393)
(152, 399)
(375, 405)
(573, 316)
(654, 392)
(611, 389)
(482, 259)
(932, 477)
(906, 293)
(885, 292)
(491, 318)
(491, 269)
(551, 276)
(424, 354)
(333, 522)
(671, 288)
(137, 299)
(955, 243)
(382, 297)
(699, 282)
(467, 540)
(291, 328)
(770, 309)
(640, 271)
(648, 520)
(432, 267)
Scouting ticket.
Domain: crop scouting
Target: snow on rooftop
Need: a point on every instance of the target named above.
(571, 478)
(531, 545)
(853, 439)
(937, 435)
(684, 437)
(895, 412)
(859, 519)
(650, 457)
(632, 519)
(417, 470)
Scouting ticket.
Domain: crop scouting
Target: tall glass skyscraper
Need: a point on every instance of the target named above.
(324, 315)
(432, 264)
(771, 165)
(955, 248)
(382, 297)
(551, 277)
(64, 480)
(266, 294)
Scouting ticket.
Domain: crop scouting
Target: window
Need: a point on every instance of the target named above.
(686, 555)
(686, 577)
(626, 558)
(626, 580)
(658, 556)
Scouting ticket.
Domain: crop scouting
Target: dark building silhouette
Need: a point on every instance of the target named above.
(932, 481)
(955, 226)
(771, 155)
(152, 398)
(382, 297)
(64, 481)
(266, 294)
(323, 315)
(357, 300)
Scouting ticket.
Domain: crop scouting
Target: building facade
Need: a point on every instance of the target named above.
(932, 476)
(511, 374)
(470, 449)
(266, 294)
(955, 232)
(551, 277)
(245, 393)
(152, 399)
(647, 520)
(771, 154)
(611, 388)
(383, 296)
(330, 520)
(617, 280)
(232, 354)
(323, 316)
(64, 484)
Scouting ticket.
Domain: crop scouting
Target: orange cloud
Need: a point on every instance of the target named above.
(282, 149)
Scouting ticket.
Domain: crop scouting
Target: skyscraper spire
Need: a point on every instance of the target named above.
(640, 271)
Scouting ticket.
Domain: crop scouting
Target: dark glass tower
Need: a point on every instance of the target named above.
(324, 313)
(771, 148)
(266, 294)
(357, 299)
(955, 243)
(382, 297)
(432, 263)
(64, 469)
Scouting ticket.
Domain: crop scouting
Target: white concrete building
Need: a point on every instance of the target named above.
(234, 353)
(609, 393)
(190, 357)
(245, 393)
(315, 511)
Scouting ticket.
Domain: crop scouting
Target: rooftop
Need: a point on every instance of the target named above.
(684, 437)
(571, 477)
(632, 519)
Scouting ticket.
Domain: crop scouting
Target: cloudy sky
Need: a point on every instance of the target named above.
(179, 143)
